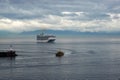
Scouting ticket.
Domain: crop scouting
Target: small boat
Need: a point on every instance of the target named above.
(59, 54)
(8, 53)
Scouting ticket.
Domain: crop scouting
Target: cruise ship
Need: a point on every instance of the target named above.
(45, 38)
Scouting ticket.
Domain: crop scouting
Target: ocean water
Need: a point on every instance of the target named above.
(86, 58)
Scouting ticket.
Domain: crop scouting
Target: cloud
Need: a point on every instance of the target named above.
(54, 22)
(74, 13)
(77, 15)
(114, 16)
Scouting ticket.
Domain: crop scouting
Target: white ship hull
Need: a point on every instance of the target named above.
(46, 41)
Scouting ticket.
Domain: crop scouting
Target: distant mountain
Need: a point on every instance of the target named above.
(57, 32)
(67, 32)
(5, 33)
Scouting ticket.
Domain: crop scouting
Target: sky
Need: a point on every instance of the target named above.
(74, 15)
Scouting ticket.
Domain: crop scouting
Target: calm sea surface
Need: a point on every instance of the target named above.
(86, 58)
